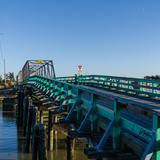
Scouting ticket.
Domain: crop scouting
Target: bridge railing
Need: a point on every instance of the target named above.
(135, 86)
(120, 113)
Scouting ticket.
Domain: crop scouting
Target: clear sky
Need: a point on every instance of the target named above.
(111, 37)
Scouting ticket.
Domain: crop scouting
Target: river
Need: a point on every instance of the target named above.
(12, 143)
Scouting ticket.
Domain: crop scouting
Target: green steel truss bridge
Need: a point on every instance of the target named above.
(118, 116)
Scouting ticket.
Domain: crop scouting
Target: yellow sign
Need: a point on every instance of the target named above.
(40, 61)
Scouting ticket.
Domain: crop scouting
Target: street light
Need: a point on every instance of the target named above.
(3, 59)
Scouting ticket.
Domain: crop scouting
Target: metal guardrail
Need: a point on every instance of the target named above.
(136, 129)
(139, 87)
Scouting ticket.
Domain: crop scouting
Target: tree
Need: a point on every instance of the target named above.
(156, 77)
(10, 76)
(1, 79)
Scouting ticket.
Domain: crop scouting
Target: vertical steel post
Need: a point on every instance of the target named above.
(79, 109)
(48, 71)
(52, 69)
(93, 116)
(79, 112)
(156, 128)
(117, 126)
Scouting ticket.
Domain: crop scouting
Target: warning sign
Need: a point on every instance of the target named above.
(80, 68)
(40, 61)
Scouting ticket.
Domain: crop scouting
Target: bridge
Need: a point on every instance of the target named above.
(119, 117)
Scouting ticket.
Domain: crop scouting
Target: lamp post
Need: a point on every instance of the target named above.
(4, 63)
(3, 59)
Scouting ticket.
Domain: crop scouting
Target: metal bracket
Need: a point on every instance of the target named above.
(77, 103)
(147, 155)
(81, 127)
(105, 136)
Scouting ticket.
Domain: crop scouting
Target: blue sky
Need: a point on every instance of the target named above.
(111, 37)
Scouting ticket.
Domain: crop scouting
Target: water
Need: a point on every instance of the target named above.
(60, 149)
(8, 134)
(12, 142)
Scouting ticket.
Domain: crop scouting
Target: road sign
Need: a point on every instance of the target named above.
(40, 61)
(80, 68)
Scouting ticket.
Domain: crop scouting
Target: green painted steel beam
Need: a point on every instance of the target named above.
(118, 107)
(156, 128)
